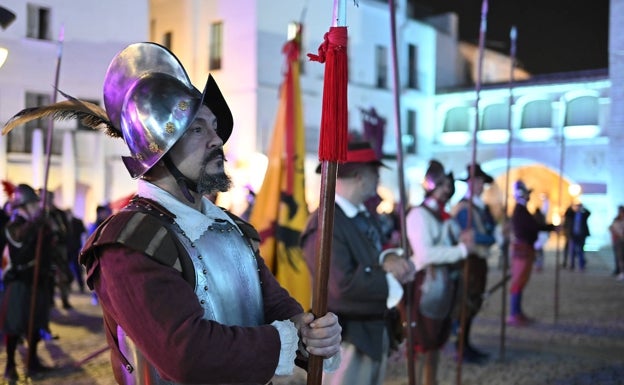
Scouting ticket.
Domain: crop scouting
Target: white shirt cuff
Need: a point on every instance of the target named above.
(463, 249)
(289, 344)
(395, 291)
(332, 363)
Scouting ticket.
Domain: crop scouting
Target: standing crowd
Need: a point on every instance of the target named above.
(40, 258)
(185, 294)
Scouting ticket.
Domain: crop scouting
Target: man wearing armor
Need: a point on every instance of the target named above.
(438, 247)
(22, 232)
(185, 296)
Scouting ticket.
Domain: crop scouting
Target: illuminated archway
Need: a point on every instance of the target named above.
(545, 183)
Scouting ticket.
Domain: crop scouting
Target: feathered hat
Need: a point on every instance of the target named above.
(150, 102)
(8, 188)
(435, 176)
(22, 195)
(478, 173)
(521, 191)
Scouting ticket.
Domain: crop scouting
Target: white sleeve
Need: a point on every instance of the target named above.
(422, 232)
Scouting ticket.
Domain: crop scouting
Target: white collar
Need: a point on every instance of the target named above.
(193, 222)
(432, 203)
(347, 207)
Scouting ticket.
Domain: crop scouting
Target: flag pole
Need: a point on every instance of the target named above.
(561, 219)
(44, 204)
(332, 149)
(466, 271)
(409, 287)
(513, 34)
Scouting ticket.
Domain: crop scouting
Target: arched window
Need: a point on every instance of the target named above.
(537, 114)
(582, 111)
(495, 117)
(457, 120)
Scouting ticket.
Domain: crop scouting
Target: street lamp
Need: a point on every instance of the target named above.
(6, 18)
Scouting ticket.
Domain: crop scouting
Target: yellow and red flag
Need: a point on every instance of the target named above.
(280, 211)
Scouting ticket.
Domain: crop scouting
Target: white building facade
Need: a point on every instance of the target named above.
(239, 43)
(84, 170)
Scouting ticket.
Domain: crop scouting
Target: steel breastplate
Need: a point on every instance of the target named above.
(227, 286)
(226, 272)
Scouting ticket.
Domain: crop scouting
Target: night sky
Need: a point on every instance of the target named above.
(553, 35)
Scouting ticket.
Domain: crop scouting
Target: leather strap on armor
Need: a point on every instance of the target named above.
(147, 227)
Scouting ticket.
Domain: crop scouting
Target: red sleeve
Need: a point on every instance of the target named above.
(159, 310)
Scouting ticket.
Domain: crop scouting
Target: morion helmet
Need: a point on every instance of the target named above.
(521, 191)
(23, 195)
(149, 97)
(435, 175)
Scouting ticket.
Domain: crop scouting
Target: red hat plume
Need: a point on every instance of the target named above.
(8, 188)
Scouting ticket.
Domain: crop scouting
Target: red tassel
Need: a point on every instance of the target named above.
(334, 118)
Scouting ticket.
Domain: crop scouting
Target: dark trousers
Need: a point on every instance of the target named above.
(576, 252)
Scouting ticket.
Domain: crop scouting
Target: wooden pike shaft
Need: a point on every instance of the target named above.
(326, 224)
(409, 287)
(466, 272)
(44, 203)
(513, 34)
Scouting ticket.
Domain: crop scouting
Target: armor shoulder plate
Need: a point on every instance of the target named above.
(149, 232)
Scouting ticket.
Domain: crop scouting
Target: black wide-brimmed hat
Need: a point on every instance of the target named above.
(478, 172)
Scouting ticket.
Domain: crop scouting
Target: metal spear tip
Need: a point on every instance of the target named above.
(62, 33)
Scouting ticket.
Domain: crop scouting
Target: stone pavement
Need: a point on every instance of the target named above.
(583, 346)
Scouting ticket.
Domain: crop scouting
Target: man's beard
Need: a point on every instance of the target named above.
(209, 184)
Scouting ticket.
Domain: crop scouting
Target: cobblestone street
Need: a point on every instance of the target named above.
(585, 346)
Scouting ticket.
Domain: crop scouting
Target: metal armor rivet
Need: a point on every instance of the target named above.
(206, 288)
(154, 147)
(204, 271)
(169, 128)
(183, 105)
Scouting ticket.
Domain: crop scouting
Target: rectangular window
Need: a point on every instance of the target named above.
(216, 46)
(381, 66)
(38, 22)
(168, 40)
(409, 140)
(412, 66)
(20, 138)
